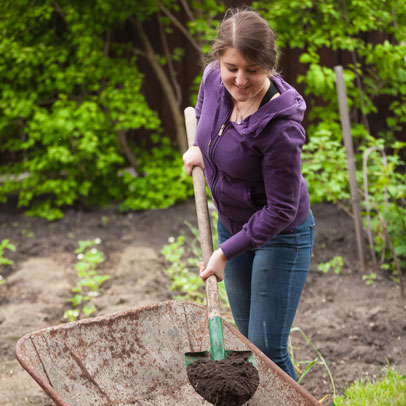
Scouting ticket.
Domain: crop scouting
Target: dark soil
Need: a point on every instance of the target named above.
(358, 329)
(228, 382)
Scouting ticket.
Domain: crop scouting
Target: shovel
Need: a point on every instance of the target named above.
(220, 376)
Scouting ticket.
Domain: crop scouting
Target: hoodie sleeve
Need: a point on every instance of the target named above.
(200, 97)
(281, 171)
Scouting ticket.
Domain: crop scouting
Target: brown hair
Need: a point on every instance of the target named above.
(250, 34)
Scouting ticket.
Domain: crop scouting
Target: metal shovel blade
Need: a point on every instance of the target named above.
(206, 355)
(217, 351)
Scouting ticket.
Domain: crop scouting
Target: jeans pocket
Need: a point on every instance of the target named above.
(305, 235)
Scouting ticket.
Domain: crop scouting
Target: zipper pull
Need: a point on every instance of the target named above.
(221, 130)
(209, 143)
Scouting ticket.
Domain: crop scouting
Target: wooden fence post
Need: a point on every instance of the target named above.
(346, 128)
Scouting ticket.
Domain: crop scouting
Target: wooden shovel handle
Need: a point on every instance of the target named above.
(203, 218)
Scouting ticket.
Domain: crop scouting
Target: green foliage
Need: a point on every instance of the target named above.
(324, 164)
(163, 182)
(89, 280)
(335, 264)
(184, 255)
(370, 278)
(387, 391)
(183, 273)
(206, 22)
(68, 89)
(343, 26)
(71, 89)
(370, 34)
(392, 209)
(5, 244)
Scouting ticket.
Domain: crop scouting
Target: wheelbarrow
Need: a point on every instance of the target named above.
(136, 357)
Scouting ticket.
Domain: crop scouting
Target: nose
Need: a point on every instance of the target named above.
(240, 78)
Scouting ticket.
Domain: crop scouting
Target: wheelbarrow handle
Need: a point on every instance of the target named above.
(203, 218)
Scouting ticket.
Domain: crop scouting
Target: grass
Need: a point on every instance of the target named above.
(390, 390)
(309, 364)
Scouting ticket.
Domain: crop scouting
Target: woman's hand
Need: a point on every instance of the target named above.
(191, 158)
(215, 266)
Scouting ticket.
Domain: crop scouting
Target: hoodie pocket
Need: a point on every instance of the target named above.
(234, 198)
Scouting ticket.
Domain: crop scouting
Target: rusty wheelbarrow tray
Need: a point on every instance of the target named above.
(135, 357)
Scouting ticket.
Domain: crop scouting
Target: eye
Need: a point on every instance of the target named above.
(252, 70)
(232, 69)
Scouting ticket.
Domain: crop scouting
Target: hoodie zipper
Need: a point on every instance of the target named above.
(215, 139)
(212, 145)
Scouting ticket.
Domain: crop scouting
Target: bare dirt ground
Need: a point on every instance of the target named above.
(358, 329)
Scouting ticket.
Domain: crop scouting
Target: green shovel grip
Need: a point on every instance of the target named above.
(216, 338)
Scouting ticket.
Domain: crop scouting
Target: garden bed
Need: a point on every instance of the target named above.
(357, 328)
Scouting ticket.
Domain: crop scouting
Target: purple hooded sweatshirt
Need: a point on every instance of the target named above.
(253, 169)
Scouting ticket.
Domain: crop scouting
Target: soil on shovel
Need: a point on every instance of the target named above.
(229, 382)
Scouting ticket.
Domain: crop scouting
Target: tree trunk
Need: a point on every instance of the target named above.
(166, 86)
(122, 141)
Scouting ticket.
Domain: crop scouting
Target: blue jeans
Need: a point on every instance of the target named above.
(264, 286)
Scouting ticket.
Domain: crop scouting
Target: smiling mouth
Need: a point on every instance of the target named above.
(242, 89)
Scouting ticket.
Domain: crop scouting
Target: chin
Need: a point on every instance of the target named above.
(240, 96)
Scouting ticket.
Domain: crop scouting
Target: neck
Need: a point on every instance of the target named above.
(243, 109)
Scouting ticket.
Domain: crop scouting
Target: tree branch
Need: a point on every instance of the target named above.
(172, 72)
(166, 87)
(122, 140)
(361, 92)
(180, 26)
(106, 44)
(187, 10)
(139, 52)
(59, 10)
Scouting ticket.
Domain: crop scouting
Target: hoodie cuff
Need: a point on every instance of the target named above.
(236, 244)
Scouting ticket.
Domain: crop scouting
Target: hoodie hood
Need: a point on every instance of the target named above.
(290, 105)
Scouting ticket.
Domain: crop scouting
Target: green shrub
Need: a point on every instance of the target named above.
(374, 68)
(68, 90)
(163, 179)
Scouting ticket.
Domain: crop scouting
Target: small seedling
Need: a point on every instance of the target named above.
(5, 244)
(89, 282)
(336, 264)
(309, 364)
(183, 255)
(370, 278)
(27, 233)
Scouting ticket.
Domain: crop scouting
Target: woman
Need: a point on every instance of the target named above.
(249, 139)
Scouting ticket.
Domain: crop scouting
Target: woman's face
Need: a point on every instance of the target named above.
(243, 79)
